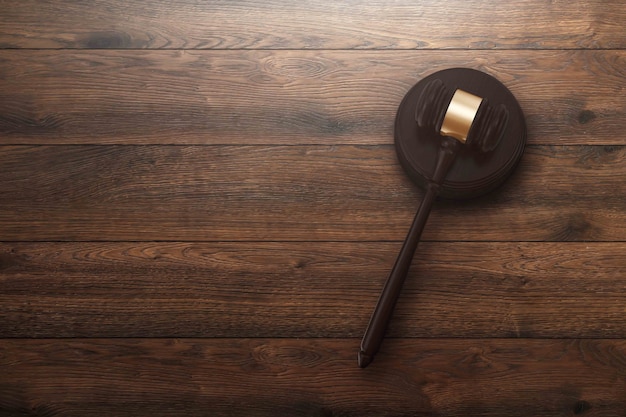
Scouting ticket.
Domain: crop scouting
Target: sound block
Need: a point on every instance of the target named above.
(472, 173)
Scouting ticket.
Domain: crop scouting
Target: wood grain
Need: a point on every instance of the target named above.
(287, 97)
(191, 193)
(224, 172)
(312, 377)
(319, 24)
(309, 290)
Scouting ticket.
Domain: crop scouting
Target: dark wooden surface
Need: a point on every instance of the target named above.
(200, 202)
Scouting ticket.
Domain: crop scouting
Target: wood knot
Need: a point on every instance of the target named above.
(576, 227)
(586, 116)
(7, 260)
(581, 407)
(108, 40)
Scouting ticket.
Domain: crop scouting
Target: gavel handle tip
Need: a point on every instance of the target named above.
(364, 359)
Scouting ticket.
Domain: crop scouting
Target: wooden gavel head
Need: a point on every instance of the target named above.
(468, 118)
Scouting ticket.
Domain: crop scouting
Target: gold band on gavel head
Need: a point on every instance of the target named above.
(460, 115)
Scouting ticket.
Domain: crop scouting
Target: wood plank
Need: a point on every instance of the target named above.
(192, 193)
(312, 377)
(287, 97)
(319, 24)
(258, 289)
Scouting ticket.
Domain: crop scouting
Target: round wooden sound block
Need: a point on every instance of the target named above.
(472, 173)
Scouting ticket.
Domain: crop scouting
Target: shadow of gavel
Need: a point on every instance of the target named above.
(461, 122)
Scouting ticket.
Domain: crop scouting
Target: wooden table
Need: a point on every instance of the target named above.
(200, 202)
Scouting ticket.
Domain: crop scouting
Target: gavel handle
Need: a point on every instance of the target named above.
(389, 296)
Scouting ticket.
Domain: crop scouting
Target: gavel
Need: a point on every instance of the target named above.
(454, 130)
